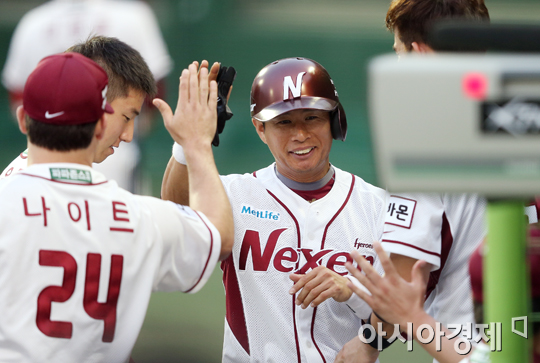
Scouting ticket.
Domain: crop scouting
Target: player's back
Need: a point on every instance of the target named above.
(450, 300)
(79, 258)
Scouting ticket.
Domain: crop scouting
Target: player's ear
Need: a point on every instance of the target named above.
(21, 120)
(259, 126)
(100, 128)
(421, 48)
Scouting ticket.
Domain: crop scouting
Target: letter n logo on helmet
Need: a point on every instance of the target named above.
(288, 85)
(312, 89)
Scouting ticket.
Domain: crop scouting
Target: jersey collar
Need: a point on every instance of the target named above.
(69, 173)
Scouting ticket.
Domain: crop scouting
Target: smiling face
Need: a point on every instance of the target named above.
(119, 125)
(300, 141)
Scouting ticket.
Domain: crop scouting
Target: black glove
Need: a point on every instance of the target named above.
(225, 79)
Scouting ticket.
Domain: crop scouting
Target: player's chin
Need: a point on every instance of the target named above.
(103, 155)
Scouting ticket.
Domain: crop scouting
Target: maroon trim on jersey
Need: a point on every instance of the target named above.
(316, 194)
(313, 336)
(299, 244)
(337, 213)
(412, 217)
(23, 156)
(63, 182)
(446, 244)
(234, 308)
(322, 247)
(412, 246)
(209, 253)
(296, 340)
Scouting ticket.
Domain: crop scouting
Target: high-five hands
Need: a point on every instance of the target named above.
(194, 120)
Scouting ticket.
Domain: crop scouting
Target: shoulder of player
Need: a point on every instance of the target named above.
(360, 185)
(257, 176)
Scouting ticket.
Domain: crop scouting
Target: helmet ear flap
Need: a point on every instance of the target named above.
(338, 123)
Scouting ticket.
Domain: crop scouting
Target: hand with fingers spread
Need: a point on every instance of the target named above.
(193, 126)
(194, 120)
(394, 299)
(319, 285)
(401, 302)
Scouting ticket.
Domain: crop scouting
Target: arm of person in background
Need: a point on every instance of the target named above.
(400, 302)
(176, 180)
(193, 125)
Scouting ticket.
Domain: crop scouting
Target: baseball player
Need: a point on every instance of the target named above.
(55, 25)
(80, 256)
(441, 229)
(130, 82)
(296, 219)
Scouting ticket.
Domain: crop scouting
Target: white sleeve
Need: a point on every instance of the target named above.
(413, 226)
(190, 247)
(358, 306)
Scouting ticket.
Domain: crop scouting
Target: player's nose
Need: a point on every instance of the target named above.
(301, 133)
(127, 133)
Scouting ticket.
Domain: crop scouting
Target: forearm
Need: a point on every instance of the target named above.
(175, 184)
(447, 352)
(206, 194)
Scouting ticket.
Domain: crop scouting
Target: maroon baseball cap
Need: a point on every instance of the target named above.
(66, 89)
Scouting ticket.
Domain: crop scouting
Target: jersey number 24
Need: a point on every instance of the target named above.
(100, 311)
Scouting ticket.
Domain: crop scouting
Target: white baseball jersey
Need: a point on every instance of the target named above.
(444, 230)
(277, 233)
(80, 257)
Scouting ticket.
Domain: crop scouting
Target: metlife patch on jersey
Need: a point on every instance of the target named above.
(72, 175)
(258, 213)
(400, 211)
(517, 116)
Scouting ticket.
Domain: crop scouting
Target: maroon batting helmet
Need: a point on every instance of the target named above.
(296, 83)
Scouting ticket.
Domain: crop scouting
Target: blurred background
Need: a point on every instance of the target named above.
(342, 35)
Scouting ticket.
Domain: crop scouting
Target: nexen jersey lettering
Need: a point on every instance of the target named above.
(263, 324)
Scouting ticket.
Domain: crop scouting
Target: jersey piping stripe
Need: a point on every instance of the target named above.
(446, 244)
(312, 335)
(209, 254)
(337, 213)
(411, 246)
(299, 243)
(295, 222)
(63, 182)
(234, 308)
(322, 247)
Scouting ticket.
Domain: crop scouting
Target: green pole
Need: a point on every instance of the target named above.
(506, 287)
